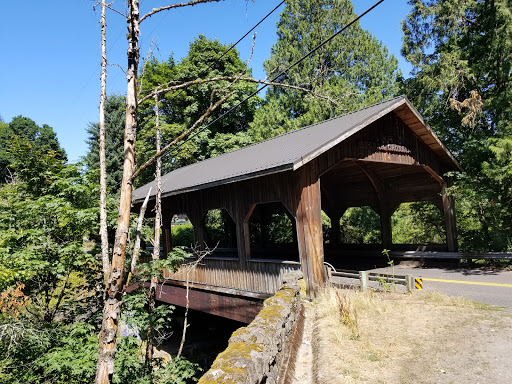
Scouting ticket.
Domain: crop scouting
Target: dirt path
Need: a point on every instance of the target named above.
(304, 360)
(398, 338)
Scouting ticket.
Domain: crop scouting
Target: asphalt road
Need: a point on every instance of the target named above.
(486, 286)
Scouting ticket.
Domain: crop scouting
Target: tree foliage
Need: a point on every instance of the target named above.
(462, 55)
(180, 109)
(47, 277)
(115, 106)
(418, 223)
(44, 215)
(360, 225)
(354, 68)
(23, 128)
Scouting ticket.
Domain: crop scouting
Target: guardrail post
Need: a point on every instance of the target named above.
(409, 283)
(363, 278)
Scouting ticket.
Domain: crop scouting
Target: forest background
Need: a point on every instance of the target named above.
(460, 53)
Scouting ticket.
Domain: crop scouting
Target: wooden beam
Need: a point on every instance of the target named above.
(309, 230)
(437, 177)
(451, 227)
(230, 306)
(244, 212)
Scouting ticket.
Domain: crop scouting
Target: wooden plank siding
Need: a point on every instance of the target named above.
(263, 276)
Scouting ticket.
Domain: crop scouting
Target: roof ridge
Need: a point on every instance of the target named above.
(190, 167)
(295, 130)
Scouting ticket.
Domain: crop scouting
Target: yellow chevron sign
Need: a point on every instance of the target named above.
(418, 283)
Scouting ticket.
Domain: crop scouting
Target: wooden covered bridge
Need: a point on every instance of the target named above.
(379, 156)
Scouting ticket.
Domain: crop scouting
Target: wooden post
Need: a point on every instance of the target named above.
(199, 235)
(409, 283)
(385, 227)
(335, 230)
(309, 231)
(363, 280)
(242, 232)
(448, 207)
(166, 226)
(449, 216)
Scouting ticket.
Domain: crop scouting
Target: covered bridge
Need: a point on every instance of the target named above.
(379, 156)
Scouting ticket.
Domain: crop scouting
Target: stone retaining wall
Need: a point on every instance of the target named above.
(263, 351)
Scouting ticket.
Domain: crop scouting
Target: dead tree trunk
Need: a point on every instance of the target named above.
(113, 298)
(158, 224)
(103, 166)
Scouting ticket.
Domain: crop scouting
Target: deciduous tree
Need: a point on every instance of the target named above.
(462, 84)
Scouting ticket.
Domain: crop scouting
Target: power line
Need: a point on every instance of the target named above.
(230, 48)
(177, 93)
(276, 77)
(252, 29)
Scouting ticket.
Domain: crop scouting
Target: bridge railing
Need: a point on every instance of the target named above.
(259, 275)
(365, 277)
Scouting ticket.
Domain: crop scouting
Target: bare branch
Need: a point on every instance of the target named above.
(179, 5)
(101, 150)
(61, 295)
(136, 247)
(109, 6)
(117, 65)
(145, 62)
(246, 65)
(191, 83)
(165, 149)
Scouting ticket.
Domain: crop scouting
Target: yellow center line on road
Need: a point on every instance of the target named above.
(469, 282)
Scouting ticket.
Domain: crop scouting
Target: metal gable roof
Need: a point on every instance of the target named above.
(285, 152)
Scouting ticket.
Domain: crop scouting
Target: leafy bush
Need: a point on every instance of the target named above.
(182, 235)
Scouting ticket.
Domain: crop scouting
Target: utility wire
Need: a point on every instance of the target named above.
(235, 44)
(276, 77)
(252, 29)
(228, 50)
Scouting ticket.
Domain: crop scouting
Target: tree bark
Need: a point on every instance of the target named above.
(158, 224)
(136, 246)
(103, 166)
(114, 291)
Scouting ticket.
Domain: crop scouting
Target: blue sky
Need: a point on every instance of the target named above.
(51, 51)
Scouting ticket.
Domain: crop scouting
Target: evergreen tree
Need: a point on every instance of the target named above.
(353, 68)
(114, 128)
(462, 58)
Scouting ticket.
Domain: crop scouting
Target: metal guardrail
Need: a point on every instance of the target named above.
(365, 277)
(451, 255)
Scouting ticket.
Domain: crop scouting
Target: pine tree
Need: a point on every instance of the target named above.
(114, 127)
(180, 109)
(354, 68)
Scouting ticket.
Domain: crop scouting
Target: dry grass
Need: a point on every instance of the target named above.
(376, 337)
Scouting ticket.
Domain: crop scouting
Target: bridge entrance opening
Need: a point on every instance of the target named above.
(360, 225)
(220, 233)
(182, 231)
(272, 233)
(419, 225)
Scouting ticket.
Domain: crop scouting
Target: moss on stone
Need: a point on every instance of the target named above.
(229, 372)
(249, 341)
